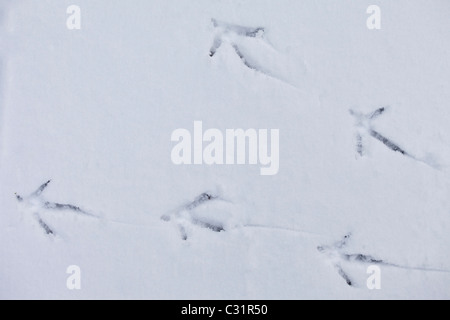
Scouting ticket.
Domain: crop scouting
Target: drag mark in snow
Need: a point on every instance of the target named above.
(282, 229)
(364, 129)
(34, 203)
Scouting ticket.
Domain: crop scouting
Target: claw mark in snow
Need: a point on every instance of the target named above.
(34, 203)
(45, 226)
(204, 197)
(343, 274)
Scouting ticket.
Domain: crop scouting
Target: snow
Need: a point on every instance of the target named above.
(94, 110)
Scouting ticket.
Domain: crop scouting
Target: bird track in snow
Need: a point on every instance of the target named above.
(35, 203)
(337, 255)
(364, 127)
(227, 28)
(230, 34)
(184, 215)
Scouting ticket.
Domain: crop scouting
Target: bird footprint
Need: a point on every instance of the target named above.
(208, 210)
(35, 204)
(253, 49)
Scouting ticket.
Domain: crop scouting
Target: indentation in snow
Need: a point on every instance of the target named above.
(338, 255)
(253, 49)
(209, 210)
(34, 204)
(364, 127)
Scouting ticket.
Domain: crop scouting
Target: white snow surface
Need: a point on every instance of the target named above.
(94, 110)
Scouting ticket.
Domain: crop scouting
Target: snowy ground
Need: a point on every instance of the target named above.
(94, 110)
